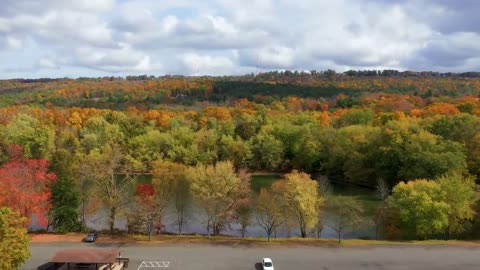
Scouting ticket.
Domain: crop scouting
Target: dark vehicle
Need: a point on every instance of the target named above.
(91, 237)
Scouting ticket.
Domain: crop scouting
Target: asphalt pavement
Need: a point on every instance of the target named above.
(212, 256)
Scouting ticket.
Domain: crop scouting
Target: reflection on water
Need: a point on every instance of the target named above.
(195, 223)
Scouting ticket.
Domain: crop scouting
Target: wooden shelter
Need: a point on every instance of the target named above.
(100, 259)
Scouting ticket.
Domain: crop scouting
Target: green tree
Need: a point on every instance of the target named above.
(13, 239)
(97, 132)
(246, 126)
(183, 147)
(407, 152)
(301, 199)
(356, 117)
(345, 214)
(352, 153)
(36, 139)
(473, 155)
(267, 151)
(462, 128)
(149, 146)
(421, 207)
(65, 197)
(458, 192)
(305, 149)
(235, 150)
(206, 141)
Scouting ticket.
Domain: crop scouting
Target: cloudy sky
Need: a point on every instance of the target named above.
(58, 38)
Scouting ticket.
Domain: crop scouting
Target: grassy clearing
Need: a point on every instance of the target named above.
(263, 181)
(363, 195)
(370, 203)
(237, 241)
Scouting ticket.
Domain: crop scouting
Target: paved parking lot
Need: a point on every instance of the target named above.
(211, 257)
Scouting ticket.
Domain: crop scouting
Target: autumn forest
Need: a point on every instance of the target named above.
(71, 146)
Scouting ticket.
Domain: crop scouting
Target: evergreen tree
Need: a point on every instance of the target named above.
(65, 198)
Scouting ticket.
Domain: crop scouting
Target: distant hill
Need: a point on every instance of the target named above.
(149, 91)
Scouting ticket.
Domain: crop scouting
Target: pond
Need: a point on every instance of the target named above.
(196, 225)
(363, 195)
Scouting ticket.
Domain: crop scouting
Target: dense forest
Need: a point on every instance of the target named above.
(149, 92)
(412, 131)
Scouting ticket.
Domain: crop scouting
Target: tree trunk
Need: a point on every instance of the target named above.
(49, 223)
(339, 238)
(180, 227)
(180, 221)
(113, 213)
(303, 227)
(447, 233)
(84, 219)
(216, 229)
(208, 228)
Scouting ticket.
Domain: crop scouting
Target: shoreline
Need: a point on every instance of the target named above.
(238, 241)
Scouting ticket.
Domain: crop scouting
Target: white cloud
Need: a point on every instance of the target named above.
(47, 63)
(227, 36)
(14, 43)
(270, 57)
(206, 64)
(113, 60)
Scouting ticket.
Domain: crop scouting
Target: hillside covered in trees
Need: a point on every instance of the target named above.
(357, 127)
(274, 121)
(147, 92)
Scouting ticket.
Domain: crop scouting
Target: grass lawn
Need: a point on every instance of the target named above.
(263, 181)
(144, 179)
(363, 195)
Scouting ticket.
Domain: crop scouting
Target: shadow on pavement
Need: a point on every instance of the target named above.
(258, 266)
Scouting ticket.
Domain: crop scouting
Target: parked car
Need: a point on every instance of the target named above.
(267, 264)
(91, 237)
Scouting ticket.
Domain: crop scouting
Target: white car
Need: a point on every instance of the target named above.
(267, 264)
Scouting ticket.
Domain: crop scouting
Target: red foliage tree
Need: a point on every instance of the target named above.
(147, 212)
(25, 187)
(144, 190)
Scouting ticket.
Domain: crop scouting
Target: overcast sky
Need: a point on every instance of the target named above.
(54, 38)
